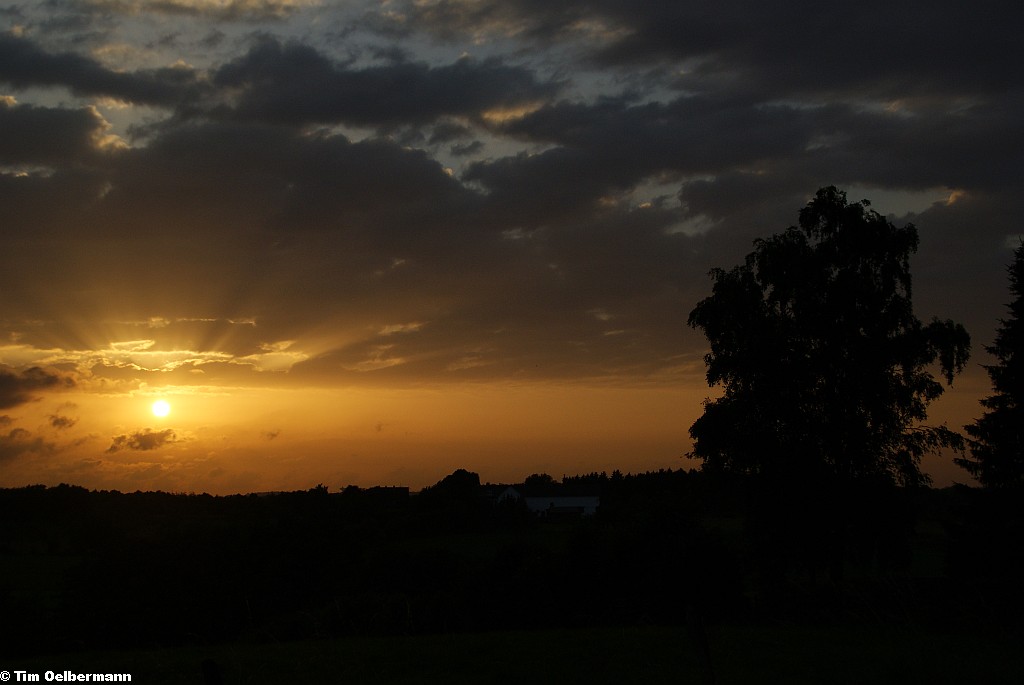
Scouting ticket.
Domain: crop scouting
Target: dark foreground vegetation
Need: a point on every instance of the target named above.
(652, 655)
(692, 564)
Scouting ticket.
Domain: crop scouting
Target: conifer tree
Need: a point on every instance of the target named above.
(996, 439)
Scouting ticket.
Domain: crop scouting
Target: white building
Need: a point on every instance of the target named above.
(555, 505)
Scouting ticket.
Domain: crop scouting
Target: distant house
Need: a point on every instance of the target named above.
(553, 506)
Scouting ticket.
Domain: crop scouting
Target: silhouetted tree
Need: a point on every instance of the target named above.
(997, 438)
(460, 484)
(823, 362)
(455, 501)
(540, 483)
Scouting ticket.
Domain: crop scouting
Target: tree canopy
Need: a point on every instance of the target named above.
(997, 438)
(824, 365)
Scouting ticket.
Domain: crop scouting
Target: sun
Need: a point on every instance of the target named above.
(161, 408)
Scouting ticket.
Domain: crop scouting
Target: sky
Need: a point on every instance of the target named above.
(374, 242)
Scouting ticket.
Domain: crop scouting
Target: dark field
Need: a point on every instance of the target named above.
(642, 654)
(680, 577)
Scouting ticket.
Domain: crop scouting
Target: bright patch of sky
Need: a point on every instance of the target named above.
(896, 202)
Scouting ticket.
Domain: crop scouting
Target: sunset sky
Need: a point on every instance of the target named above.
(373, 242)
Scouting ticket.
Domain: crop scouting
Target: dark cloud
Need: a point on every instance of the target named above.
(455, 20)
(18, 388)
(24, 64)
(38, 201)
(50, 136)
(213, 39)
(549, 208)
(297, 84)
(447, 131)
(610, 147)
(144, 440)
(699, 135)
(61, 422)
(19, 442)
(228, 221)
(232, 10)
(227, 163)
(875, 49)
(277, 226)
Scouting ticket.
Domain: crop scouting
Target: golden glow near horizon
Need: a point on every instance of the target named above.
(248, 439)
(161, 408)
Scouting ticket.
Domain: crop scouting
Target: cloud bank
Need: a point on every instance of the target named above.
(356, 193)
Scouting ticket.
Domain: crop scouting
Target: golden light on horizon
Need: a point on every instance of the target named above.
(161, 408)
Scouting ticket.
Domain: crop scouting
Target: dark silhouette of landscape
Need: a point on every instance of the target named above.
(86, 571)
(809, 513)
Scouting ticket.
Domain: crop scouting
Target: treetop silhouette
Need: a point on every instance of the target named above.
(824, 365)
(997, 438)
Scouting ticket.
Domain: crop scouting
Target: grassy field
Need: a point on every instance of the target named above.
(647, 654)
